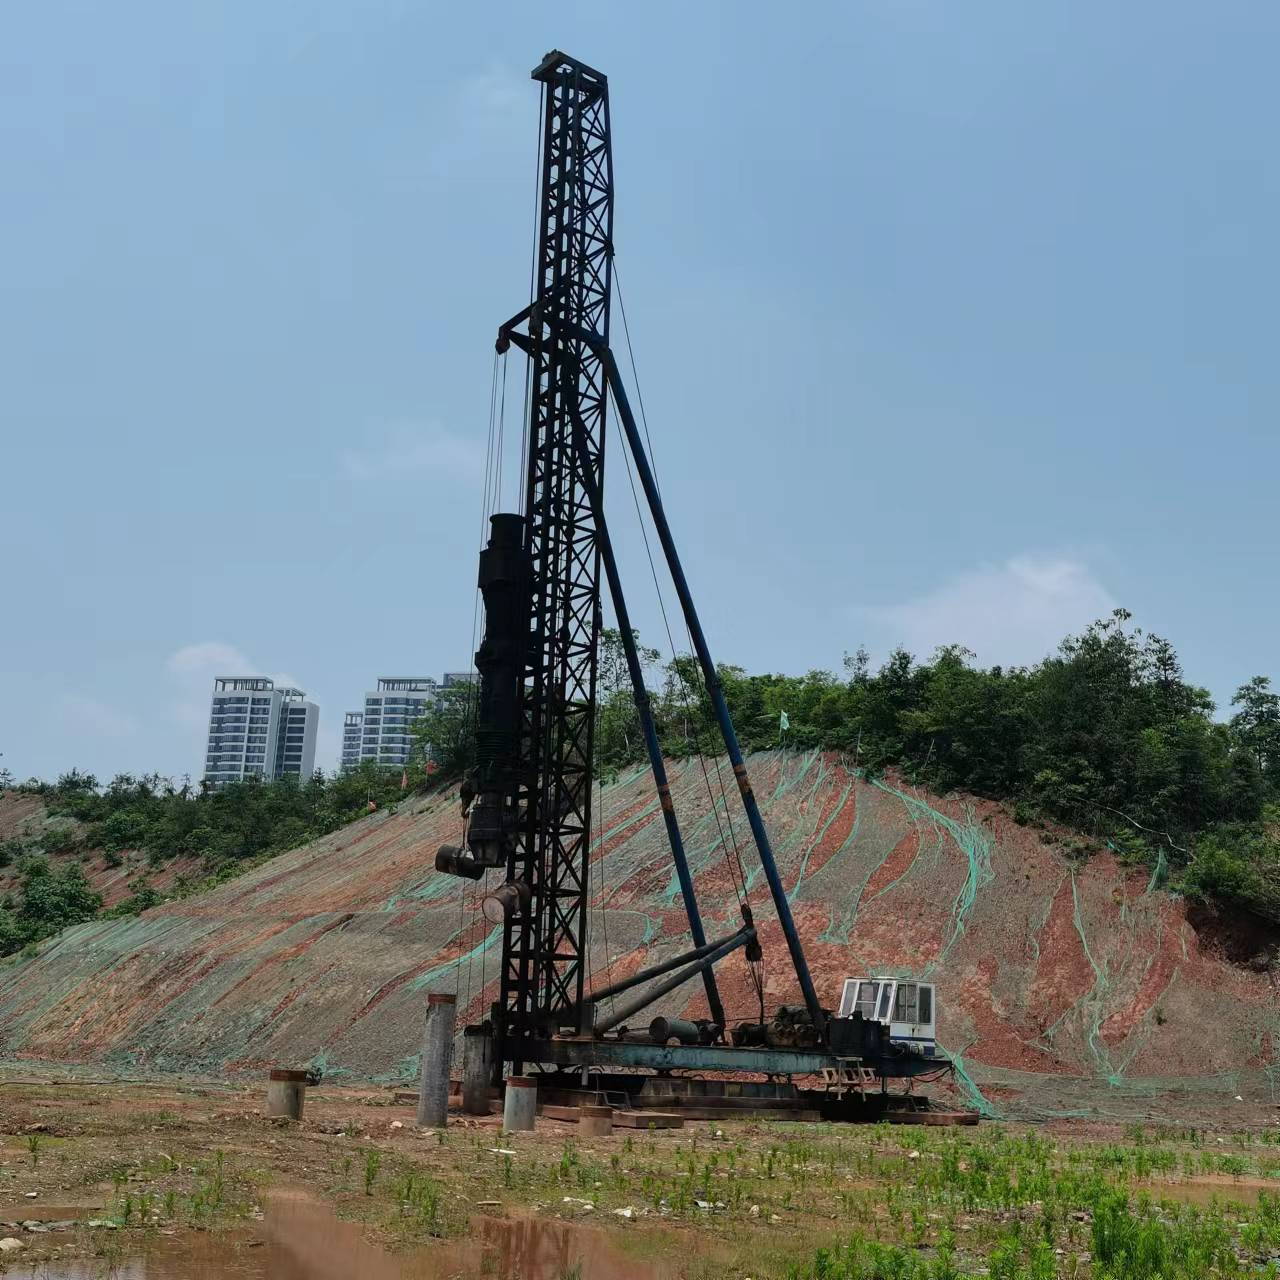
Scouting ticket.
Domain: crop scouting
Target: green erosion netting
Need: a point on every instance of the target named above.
(1063, 987)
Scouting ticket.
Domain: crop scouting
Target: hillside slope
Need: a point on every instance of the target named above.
(1064, 987)
(25, 817)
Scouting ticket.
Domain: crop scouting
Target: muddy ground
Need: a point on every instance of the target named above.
(163, 1181)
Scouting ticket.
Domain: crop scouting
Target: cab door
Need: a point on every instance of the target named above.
(923, 1027)
(913, 1016)
(884, 1010)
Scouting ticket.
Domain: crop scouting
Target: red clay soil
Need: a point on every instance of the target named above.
(895, 866)
(836, 823)
(16, 812)
(1061, 974)
(1000, 1041)
(1056, 1001)
(1161, 966)
(115, 877)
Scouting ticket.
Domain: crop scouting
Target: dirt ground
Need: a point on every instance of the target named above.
(164, 1180)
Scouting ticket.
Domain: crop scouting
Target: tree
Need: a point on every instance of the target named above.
(51, 900)
(618, 737)
(1107, 734)
(447, 733)
(76, 782)
(613, 675)
(858, 665)
(1257, 724)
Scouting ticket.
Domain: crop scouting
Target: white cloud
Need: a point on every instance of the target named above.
(86, 717)
(405, 448)
(487, 114)
(194, 668)
(1010, 614)
(210, 657)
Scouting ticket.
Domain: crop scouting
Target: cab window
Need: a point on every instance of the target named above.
(904, 1007)
(885, 996)
(926, 1005)
(867, 999)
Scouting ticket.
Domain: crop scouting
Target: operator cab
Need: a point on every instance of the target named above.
(905, 1006)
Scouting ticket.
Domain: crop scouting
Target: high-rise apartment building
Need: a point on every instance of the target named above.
(296, 742)
(389, 713)
(384, 729)
(259, 731)
(352, 732)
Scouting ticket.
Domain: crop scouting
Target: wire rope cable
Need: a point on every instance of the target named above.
(466, 928)
(653, 466)
(726, 832)
(635, 377)
(527, 429)
(601, 877)
(737, 880)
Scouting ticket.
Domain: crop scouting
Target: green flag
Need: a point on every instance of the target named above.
(783, 723)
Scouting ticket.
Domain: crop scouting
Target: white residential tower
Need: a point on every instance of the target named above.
(383, 731)
(259, 731)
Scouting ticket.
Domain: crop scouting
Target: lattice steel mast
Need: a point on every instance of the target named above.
(544, 948)
(532, 812)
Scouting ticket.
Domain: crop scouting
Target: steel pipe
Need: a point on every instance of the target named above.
(636, 1003)
(657, 970)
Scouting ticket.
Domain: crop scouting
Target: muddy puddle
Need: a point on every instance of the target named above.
(301, 1239)
(1207, 1188)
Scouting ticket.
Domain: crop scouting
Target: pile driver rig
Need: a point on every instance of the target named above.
(527, 803)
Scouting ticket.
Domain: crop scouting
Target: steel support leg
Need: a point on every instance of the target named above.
(605, 545)
(714, 689)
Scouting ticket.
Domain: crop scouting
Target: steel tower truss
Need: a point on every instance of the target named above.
(544, 941)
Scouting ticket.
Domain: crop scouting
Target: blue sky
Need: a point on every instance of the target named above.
(954, 322)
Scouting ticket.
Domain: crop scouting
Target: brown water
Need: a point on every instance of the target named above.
(301, 1239)
(1209, 1187)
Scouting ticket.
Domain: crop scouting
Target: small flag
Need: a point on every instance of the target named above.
(404, 779)
(783, 723)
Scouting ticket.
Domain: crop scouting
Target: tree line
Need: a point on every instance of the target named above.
(1106, 735)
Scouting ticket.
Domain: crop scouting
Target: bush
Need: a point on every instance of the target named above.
(145, 896)
(1106, 736)
(51, 899)
(1239, 866)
